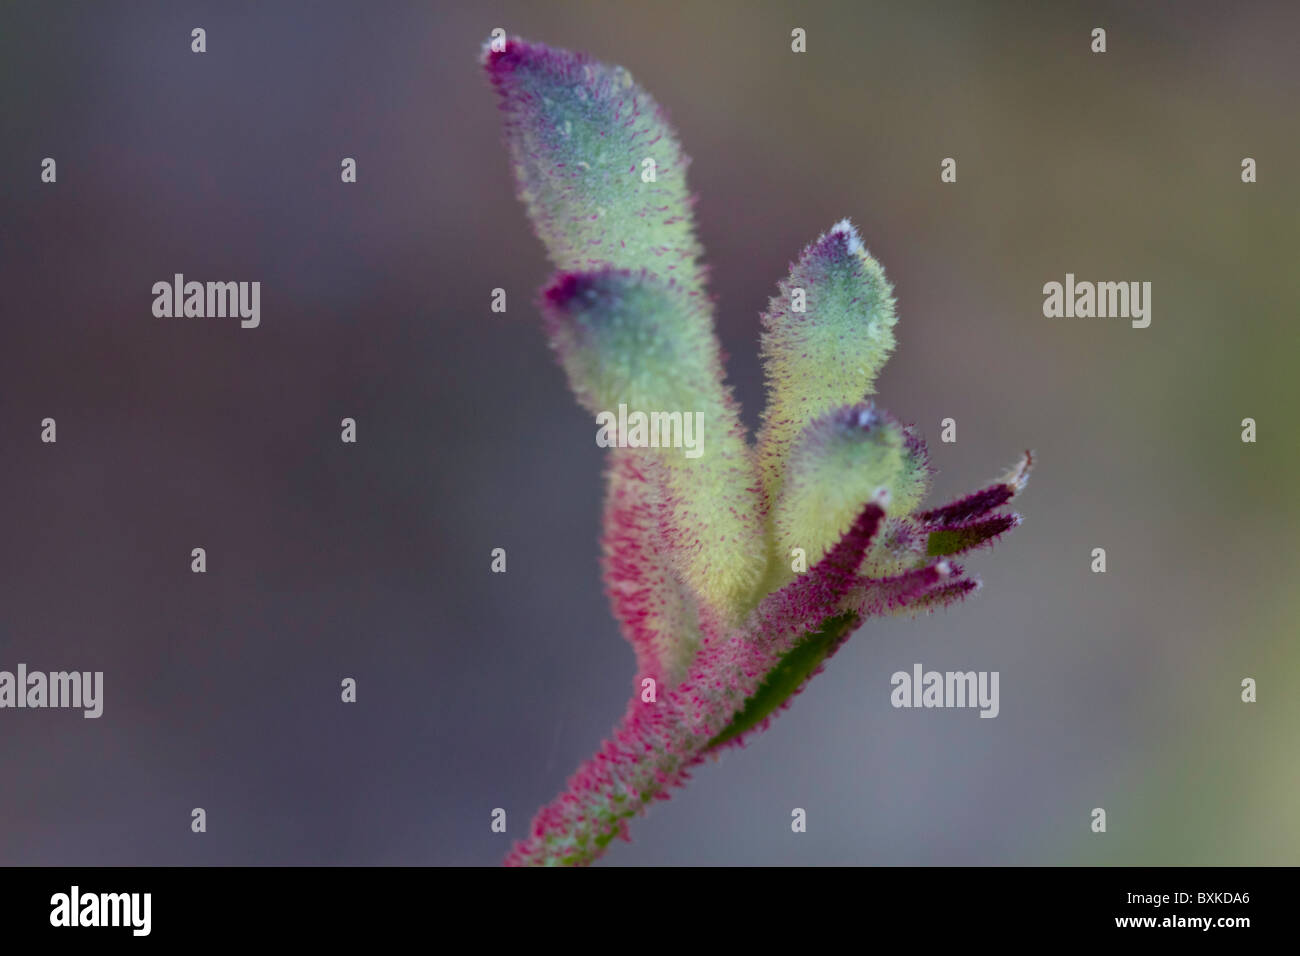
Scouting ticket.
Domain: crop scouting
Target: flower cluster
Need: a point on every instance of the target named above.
(737, 573)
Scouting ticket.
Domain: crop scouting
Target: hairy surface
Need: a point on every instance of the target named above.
(737, 573)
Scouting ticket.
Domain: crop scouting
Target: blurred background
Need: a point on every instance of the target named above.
(478, 690)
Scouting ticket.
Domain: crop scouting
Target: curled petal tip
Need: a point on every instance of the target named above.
(981, 502)
(1018, 476)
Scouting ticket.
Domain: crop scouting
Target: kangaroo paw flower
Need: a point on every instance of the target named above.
(734, 571)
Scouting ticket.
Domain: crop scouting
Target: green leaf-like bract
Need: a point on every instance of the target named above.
(790, 674)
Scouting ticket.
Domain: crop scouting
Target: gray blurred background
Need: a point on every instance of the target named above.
(371, 561)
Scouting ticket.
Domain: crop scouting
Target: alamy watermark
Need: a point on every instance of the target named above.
(74, 689)
(1103, 300)
(626, 429)
(210, 300)
(75, 908)
(946, 689)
